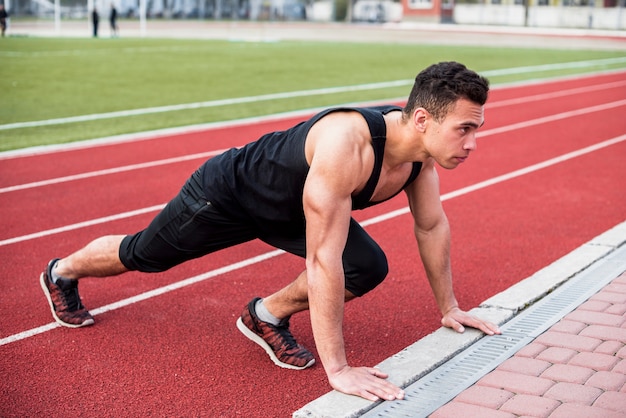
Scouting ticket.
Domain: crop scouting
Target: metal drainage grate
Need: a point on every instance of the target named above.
(442, 384)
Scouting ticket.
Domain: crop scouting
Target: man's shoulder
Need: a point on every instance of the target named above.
(384, 109)
(348, 112)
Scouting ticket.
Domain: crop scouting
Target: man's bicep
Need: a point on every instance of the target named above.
(425, 199)
(336, 170)
(327, 205)
(326, 211)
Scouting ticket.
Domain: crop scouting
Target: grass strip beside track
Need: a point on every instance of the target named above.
(147, 84)
(299, 94)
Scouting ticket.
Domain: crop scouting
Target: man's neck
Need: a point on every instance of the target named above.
(403, 143)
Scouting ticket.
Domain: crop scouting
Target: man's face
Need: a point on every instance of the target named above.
(451, 141)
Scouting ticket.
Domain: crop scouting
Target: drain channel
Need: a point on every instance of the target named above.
(441, 385)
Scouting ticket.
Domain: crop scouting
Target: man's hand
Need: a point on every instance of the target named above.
(366, 382)
(455, 318)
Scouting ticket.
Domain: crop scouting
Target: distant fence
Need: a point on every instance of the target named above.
(570, 16)
(172, 9)
(541, 16)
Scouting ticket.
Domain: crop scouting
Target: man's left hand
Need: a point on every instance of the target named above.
(457, 319)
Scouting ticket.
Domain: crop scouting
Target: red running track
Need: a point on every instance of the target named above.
(178, 353)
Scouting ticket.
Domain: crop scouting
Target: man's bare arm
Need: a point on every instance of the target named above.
(336, 170)
(432, 232)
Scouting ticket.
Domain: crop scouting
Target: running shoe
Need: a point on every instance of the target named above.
(64, 300)
(277, 341)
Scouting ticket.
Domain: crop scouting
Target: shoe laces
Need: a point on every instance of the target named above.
(70, 293)
(287, 337)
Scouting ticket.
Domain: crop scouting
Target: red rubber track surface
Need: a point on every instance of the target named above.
(180, 354)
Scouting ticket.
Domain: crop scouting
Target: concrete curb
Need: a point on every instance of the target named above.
(430, 352)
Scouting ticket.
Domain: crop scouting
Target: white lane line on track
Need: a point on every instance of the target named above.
(296, 94)
(556, 94)
(136, 212)
(505, 177)
(84, 224)
(115, 170)
(101, 51)
(201, 105)
(295, 114)
(271, 254)
(552, 118)
(482, 134)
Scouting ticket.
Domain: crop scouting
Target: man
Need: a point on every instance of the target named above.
(3, 19)
(113, 20)
(295, 190)
(95, 21)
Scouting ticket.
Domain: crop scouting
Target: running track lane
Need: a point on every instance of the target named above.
(180, 354)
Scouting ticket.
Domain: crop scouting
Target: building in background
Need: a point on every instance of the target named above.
(590, 14)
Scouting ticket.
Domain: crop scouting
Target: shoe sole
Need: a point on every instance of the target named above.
(258, 340)
(42, 282)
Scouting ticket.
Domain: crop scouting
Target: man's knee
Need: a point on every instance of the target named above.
(367, 272)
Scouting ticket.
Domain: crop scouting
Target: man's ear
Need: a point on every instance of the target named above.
(420, 117)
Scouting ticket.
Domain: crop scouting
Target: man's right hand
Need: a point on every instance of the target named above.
(366, 382)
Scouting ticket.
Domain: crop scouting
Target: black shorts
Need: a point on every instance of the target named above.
(190, 227)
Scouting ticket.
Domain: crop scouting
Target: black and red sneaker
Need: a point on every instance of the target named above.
(65, 304)
(277, 341)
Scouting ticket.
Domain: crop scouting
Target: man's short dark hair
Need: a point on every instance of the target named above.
(439, 86)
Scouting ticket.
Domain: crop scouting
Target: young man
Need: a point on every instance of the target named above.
(295, 190)
(3, 19)
(113, 21)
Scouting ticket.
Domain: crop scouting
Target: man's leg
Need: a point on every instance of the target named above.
(266, 321)
(59, 280)
(188, 227)
(100, 258)
(364, 264)
(293, 298)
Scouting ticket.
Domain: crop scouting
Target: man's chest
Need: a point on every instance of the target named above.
(391, 181)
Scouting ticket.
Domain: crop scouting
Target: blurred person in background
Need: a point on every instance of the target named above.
(113, 21)
(3, 19)
(95, 20)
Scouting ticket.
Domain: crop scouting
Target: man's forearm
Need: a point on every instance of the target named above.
(326, 305)
(434, 247)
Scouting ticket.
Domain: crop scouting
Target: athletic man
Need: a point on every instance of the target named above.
(3, 19)
(295, 190)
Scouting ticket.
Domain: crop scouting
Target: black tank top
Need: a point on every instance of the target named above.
(262, 183)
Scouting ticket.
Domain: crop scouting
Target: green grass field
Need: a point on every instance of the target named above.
(44, 79)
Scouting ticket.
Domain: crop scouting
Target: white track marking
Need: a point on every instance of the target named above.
(505, 177)
(115, 170)
(84, 224)
(555, 94)
(200, 105)
(100, 51)
(202, 127)
(481, 134)
(295, 94)
(551, 118)
(271, 254)
(129, 214)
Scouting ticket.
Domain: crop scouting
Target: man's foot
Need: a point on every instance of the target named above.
(64, 300)
(277, 341)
